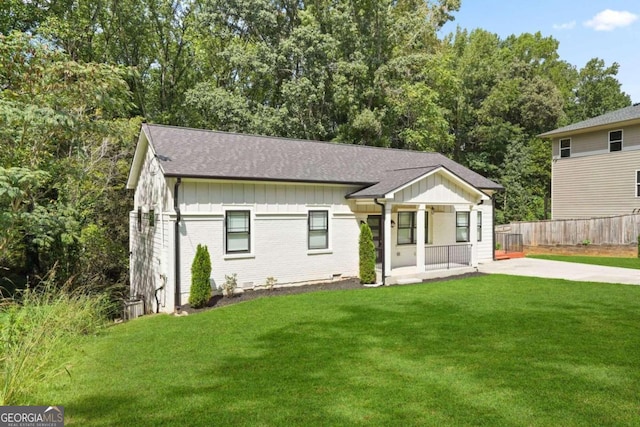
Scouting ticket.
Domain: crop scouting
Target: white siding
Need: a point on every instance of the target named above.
(595, 186)
(435, 189)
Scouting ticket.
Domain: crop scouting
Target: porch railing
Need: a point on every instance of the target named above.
(509, 242)
(447, 256)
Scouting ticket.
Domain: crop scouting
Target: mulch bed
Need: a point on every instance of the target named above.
(219, 301)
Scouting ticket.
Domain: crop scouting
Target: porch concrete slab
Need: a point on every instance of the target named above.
(562, 270)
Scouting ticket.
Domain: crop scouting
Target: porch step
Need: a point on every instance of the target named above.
(501, 255)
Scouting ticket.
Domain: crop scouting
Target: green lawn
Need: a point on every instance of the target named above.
(488, 350)
(595, 260)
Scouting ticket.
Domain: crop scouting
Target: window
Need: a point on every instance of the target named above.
(318, 224)
(615, 140)
(238, 231)
(462, 226)
(565, 147)
(637, 183)
(479, 226)
(152, 218)
(406, 228)
(139, 219)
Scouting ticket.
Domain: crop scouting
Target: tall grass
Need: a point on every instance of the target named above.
(37, 327)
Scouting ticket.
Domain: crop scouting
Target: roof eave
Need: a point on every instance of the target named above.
(559, 133)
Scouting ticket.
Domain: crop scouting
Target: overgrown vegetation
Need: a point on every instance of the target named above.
(37, 332)
(200, 293)
(367, 255)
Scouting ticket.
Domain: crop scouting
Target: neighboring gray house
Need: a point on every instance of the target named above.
(291, 209)
(596, 166)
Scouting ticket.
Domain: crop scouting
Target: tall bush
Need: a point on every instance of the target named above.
(367, 255)
(200, 276)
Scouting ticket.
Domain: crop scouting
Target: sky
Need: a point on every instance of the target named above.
(606, 29)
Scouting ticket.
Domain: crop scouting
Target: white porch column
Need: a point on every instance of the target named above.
(387, 239)
(473, 235)
(420, 214)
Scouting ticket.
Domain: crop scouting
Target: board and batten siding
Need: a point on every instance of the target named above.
(279, 234)
(595, 186)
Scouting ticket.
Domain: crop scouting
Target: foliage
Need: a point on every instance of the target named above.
(270, 282)
(229, 285)
(446, 353)
(200, 278)
(367, 252)
(37, 329)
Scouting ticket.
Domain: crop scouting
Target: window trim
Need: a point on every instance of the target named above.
(561, 149)
(249, 233)
(139, 218)
(479, 237)
(621, 140)
(152, 218)
(309, 230)
(637, 182)
(467, 227)
(412, 227)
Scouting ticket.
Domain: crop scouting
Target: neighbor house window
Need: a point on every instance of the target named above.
(479, 226)
(637, 183)
(318, 225)
(615, 140)
(565, 147)
(139, 219)
(152, 218)
(406, 228)
(462, 226)
(238, 231)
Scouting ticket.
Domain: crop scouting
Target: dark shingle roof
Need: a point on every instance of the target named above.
(210, 154)
(622, 115)
(392, 180)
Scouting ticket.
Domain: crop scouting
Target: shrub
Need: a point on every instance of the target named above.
(200, 278)
(367, 255)
(37, 332)
(270, 282)
(230, 284)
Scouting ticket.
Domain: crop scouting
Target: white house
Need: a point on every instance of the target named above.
(291, 209)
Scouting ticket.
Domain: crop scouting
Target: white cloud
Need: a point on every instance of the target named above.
(566, 26)
(609, 20)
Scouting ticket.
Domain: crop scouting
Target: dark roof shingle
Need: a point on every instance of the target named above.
(210, 154)
(621, 115)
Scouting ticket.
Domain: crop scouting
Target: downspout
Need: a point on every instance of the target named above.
(382, 237)
(493, 223)
(176, 239)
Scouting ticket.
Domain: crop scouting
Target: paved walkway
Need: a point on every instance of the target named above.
(562, 270)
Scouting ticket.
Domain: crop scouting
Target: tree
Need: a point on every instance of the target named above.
(200, 278)
(367, 255)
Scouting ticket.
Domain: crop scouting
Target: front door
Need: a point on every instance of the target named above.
(375, 224)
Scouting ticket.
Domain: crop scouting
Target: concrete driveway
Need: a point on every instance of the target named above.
(562, 270)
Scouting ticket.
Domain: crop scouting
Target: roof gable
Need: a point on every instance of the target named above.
(219, 155)
(628, 115)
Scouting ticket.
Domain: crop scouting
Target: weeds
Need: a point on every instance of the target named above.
(36, 329)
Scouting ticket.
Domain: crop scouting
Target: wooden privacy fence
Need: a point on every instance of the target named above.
(615, 230)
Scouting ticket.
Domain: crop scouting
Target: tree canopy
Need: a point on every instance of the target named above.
(77, 77)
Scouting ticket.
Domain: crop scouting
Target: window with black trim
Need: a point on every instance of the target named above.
(638, 183)
(615, 140)
(139, 219)
(318, 227)
(462, 226)
(406, 228)
(238, 232)
(479, 226)
(152, 218)
(565, 147)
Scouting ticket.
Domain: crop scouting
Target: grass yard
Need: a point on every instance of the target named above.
(488, 350)
(595, 260)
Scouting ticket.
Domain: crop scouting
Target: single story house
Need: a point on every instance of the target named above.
(291, 210)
